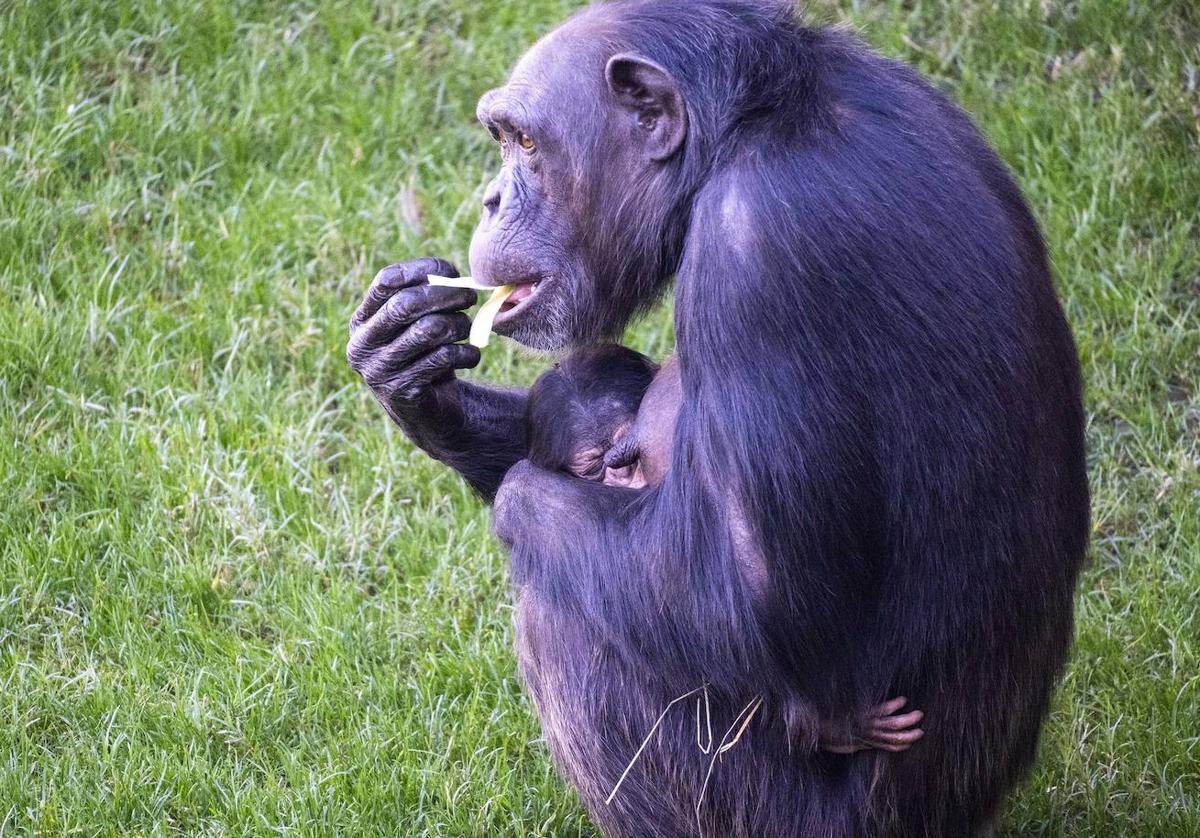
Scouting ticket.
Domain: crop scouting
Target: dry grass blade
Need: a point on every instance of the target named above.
(704, 749)
(653, 729)
(745, 717)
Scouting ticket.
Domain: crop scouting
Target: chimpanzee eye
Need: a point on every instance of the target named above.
(495, 132)
(525, 141)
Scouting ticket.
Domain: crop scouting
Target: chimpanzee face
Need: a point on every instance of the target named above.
(574, 218)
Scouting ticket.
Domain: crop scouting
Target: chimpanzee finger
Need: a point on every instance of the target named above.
(405, 308)
(890, 707)
(898, 722)
(624, 452)
(394, 277)
(437, 365)
(895, 742)
(898, 736)
(424, 335)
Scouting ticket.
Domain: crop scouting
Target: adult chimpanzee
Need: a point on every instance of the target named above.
(877, 481)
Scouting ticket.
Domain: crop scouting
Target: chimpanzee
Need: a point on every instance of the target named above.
(877, 483)
(602, 414)
(578, 409)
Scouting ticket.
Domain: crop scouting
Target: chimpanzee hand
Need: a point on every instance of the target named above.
(402, 337)
(403, 343)
(882, 728)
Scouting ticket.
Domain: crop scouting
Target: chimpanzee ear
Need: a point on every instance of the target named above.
(648, 92)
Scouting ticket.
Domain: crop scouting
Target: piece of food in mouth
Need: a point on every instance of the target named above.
(481, 326)
(459, 282)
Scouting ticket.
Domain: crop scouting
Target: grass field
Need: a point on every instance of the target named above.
(233, 601)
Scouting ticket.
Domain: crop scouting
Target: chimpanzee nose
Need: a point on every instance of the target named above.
(491, 196)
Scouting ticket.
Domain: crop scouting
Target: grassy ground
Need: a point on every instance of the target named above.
(233, 601)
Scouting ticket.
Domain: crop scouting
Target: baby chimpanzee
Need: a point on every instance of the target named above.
(607, 414)
(582, 405)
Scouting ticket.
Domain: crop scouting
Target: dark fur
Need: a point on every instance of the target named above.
(582, 404)
(875, 363)
(878, 482)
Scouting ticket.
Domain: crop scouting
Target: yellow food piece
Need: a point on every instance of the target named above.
(459, 282)
(481, 326)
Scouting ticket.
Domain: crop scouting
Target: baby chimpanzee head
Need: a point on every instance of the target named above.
(577, 409)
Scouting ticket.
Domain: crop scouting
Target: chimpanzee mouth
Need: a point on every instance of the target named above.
(518, 300)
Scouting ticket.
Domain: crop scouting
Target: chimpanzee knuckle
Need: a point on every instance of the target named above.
(428, 331)
(383, 391)
(402, 388)
(430, 367)
(432, 362)
(398, 310)
(409, 391)
(365, 342)
(357, 353)
(373, 372)
(420, 269)
(385, 284)
(444, 328)
(443, 358)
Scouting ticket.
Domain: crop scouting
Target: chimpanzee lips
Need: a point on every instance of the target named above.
(522, 292)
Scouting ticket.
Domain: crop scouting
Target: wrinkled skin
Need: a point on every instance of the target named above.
(581, 272)
(545, 223)
(876, 483)
(403, 344)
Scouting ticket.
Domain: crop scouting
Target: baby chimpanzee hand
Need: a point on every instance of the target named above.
(882, 727)
(622, 462)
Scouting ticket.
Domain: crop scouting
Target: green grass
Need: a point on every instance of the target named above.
(234, 601)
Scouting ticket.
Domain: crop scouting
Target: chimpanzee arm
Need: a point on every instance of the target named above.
(403, 343)
(759, 558)
(689, 613)
(478, 431)
(603, 554)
